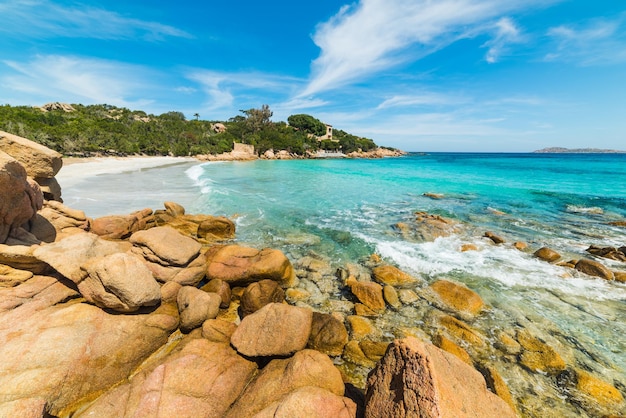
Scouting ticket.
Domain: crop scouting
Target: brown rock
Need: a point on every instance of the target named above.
(38, 160)
(458, 298)
(593, 268)
(68, 255)
(195, 307)
(310, 402)
(328, 334)
(166, 246)
(120, 282)
(620, 276)
(221, 288)
(216, 228)
(203, 379)
(354, 354)
(363, 310)
(391, 296)
(495, 238)
(468, 247)
(368, 293)
(418, 379)
(51, 352)
(10, 277)
(115, 226)
(21, 257)
(280, 377)
(373, 350)
(520, 245)
(24, 408)
(21, 199)
(50, 188)
(274, 330)
(259, 294)
(538, 356)
(436, 196)
(547, 254)
(451, 347)
(461, 331)
(393, 276)
(360, 328)
(607, 252)
(408, 296)
(238, 265)
(430, 227)
(218, 330)
(174, 209)
(589, 390)
(497, 385)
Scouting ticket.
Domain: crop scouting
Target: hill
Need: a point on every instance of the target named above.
(79, 130)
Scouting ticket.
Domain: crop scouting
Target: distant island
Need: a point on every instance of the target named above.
(560, 150)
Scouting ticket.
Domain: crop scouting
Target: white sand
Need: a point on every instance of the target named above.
(76, 170)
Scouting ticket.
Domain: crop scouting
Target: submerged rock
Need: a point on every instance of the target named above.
(547, 254)
(593, 268)
(458, 298)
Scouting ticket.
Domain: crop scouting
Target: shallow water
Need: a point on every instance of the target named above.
(345, 210)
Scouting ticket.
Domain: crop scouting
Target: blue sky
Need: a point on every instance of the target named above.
(421, 75)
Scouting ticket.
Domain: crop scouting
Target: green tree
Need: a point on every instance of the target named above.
(307, 123)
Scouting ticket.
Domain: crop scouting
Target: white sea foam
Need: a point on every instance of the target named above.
(506, 265)
(195, 173)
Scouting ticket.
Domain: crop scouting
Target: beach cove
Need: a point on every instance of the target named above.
(447, 241)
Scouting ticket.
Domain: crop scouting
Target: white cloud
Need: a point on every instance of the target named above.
(506, 33)
(597, 41)
(420, 100)
(43, 18)
(75, 80)
(373, 35)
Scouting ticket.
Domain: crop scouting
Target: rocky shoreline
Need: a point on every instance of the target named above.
(158, 313)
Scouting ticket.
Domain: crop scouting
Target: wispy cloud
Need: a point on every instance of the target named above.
(373, 35)
(76, 80)
(506, 33)
(423, 99)
(43, 18)
(596, 41)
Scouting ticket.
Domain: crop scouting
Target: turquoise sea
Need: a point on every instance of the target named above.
(345, 210)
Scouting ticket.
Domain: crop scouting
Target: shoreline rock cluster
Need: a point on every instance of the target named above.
(158, 313)
(151, 313)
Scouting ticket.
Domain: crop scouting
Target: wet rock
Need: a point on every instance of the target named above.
(418, 379)
(166, 246)
(537, 356)
(451, 347)
(120, 282)
(203, 379)
(259, 294)
(460, 330)
(407, 296)
(497, 385)
(216, 228)
(238, 265)
(547, 254)
(368, 293)
(457, 298)
(391, 297)
(274, 330)
(196, 306)
(435, 196)
(508, 344)
(221, 288)
(589, 390)
(218, 330)
(430, 227)
(328, 334)
(393, 276)
(310, 402)
(620, 276)
(520, 245)
(373, 350)
(608, 252)
(281, 377)
(593, 268)
(363, 310)
(361, 328)
(494, 238)
(354, 354)
(69, 254)
(468, 247)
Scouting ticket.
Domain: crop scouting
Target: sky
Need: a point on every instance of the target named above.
(419, 75)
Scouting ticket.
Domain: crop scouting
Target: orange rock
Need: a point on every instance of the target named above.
(458, 298)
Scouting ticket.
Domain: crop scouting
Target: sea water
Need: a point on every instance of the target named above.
(346, 210)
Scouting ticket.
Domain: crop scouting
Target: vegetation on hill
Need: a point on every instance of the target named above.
(106, 129)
